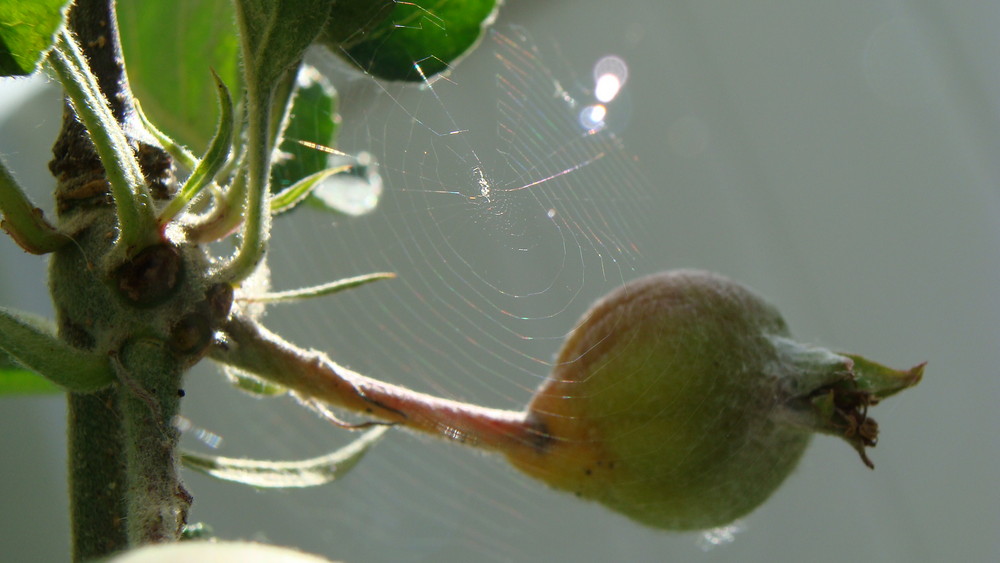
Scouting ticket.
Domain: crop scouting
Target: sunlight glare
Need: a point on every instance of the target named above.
(610, 74)
(592, 117)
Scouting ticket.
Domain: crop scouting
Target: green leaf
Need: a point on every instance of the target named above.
(210, 164)
(319, 290)
(313, 120)
(31, 342)
(352, 20)
(15, 380)
(286, 474)
(27, 32)
(882, 381)
(429, 34)
(183, 158)
(251, 383)
(275, 34)
(169, 47)
(297, 192)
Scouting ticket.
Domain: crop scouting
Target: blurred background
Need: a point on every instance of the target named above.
(838, 158)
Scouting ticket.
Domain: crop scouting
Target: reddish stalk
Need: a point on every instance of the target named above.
(256, 350)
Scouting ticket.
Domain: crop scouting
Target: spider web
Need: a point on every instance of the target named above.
(504, 219)
(504, 215)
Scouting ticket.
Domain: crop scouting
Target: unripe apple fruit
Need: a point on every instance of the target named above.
(680, 401)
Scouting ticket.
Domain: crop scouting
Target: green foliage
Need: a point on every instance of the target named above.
(170, 47)
(355, 19)
(192, 36)
(275, 34)
(274, 37)
(32, 342)
(314, 120)
(15, 380)
(293, 195)
(23, 221)
(286, 474)
(152, 303)
(218, 148)
(431, 34)
(213, 160)
(320, 290)
(27, 32)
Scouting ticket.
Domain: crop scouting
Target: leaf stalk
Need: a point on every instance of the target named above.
(23, 221)
(133, 201)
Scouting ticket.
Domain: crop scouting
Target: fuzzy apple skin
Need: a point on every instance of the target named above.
(665, 404)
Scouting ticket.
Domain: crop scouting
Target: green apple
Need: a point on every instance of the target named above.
(681, 401)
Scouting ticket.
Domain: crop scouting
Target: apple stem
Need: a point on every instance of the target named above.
(313, 375)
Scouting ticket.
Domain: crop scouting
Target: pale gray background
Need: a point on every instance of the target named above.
(841, 158)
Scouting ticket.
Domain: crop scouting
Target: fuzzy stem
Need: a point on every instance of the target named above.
(33, 344)
(96, 474)
(314, 375)
(181, 155)
(225, 216)
(96, 433)
(213, 160)
(268, 106)
(133, 201)
(23, 221)
(256, 210)
(157, 503)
